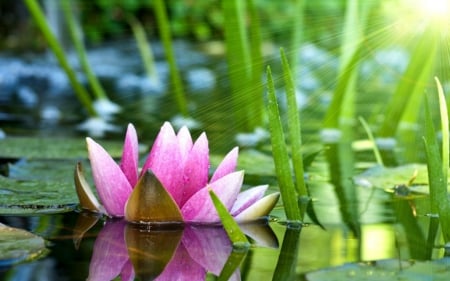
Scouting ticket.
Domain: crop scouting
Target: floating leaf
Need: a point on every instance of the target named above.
(17, 245)
(51, 148)
(36, 197)
(415, 176)
(386, 270)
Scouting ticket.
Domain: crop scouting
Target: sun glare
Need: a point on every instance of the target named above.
(436, 9)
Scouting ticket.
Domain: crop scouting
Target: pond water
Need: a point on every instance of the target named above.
(366, 225)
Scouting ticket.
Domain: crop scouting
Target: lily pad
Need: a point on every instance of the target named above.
(36, 197)
(414, 176)
(17, 245)
(51, 148)
(386, 270)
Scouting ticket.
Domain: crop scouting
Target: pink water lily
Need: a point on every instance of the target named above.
(173, 184)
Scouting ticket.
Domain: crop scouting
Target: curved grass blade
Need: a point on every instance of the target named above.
(41, 22)
(144, 47)
(233, 230)
(376, 152)
(166, 38)
(75, 34)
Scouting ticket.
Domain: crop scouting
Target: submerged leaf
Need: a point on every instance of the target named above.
(151, 203)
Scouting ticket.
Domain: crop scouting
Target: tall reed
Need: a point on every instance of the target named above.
(244, 63)
(80, 91)
(166, 38)
(407, 99)
(438, 164)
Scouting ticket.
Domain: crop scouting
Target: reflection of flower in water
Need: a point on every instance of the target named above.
(175, 254)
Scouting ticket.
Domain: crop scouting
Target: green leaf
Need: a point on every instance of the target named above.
(280, 154)
(438, 181)
(51, 148)
(36, 197)
(229, 224)
(415, 176)
(17, 245)
(386, 270)
(295, 135)
(231, 265)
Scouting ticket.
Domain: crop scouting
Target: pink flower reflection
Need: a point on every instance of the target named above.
(127, 250)
(110, 254)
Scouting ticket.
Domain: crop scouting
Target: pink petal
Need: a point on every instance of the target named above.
(228, 165)
(208, 246)
(199, 208)
(247, 198)
(259, 209)
(111, 183)
(165, 162)
(110, 253)
(129, 163)
(185, 142)
(196, 168)
(127, 273)
(182, 267)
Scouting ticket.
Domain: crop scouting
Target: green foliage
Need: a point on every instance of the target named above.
(233, 230)
(39, 18)
(18, 245)
(166, 38)
(280, 155)
(438, 165)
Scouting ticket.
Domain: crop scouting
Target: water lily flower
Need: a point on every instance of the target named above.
(172, 186)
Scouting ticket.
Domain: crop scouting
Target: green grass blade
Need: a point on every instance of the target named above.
(280, 155)
(297, 34)
(334, 112)
(407, 97)
(257, 65)
(76, 35)
(166, 38)
(376, 152)
(56, 48)
(444, 129)
(287, 260)
(233, 230)
(438, 184)
(295, 135)
(239, 61)
(232, 264)
(144, 47)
